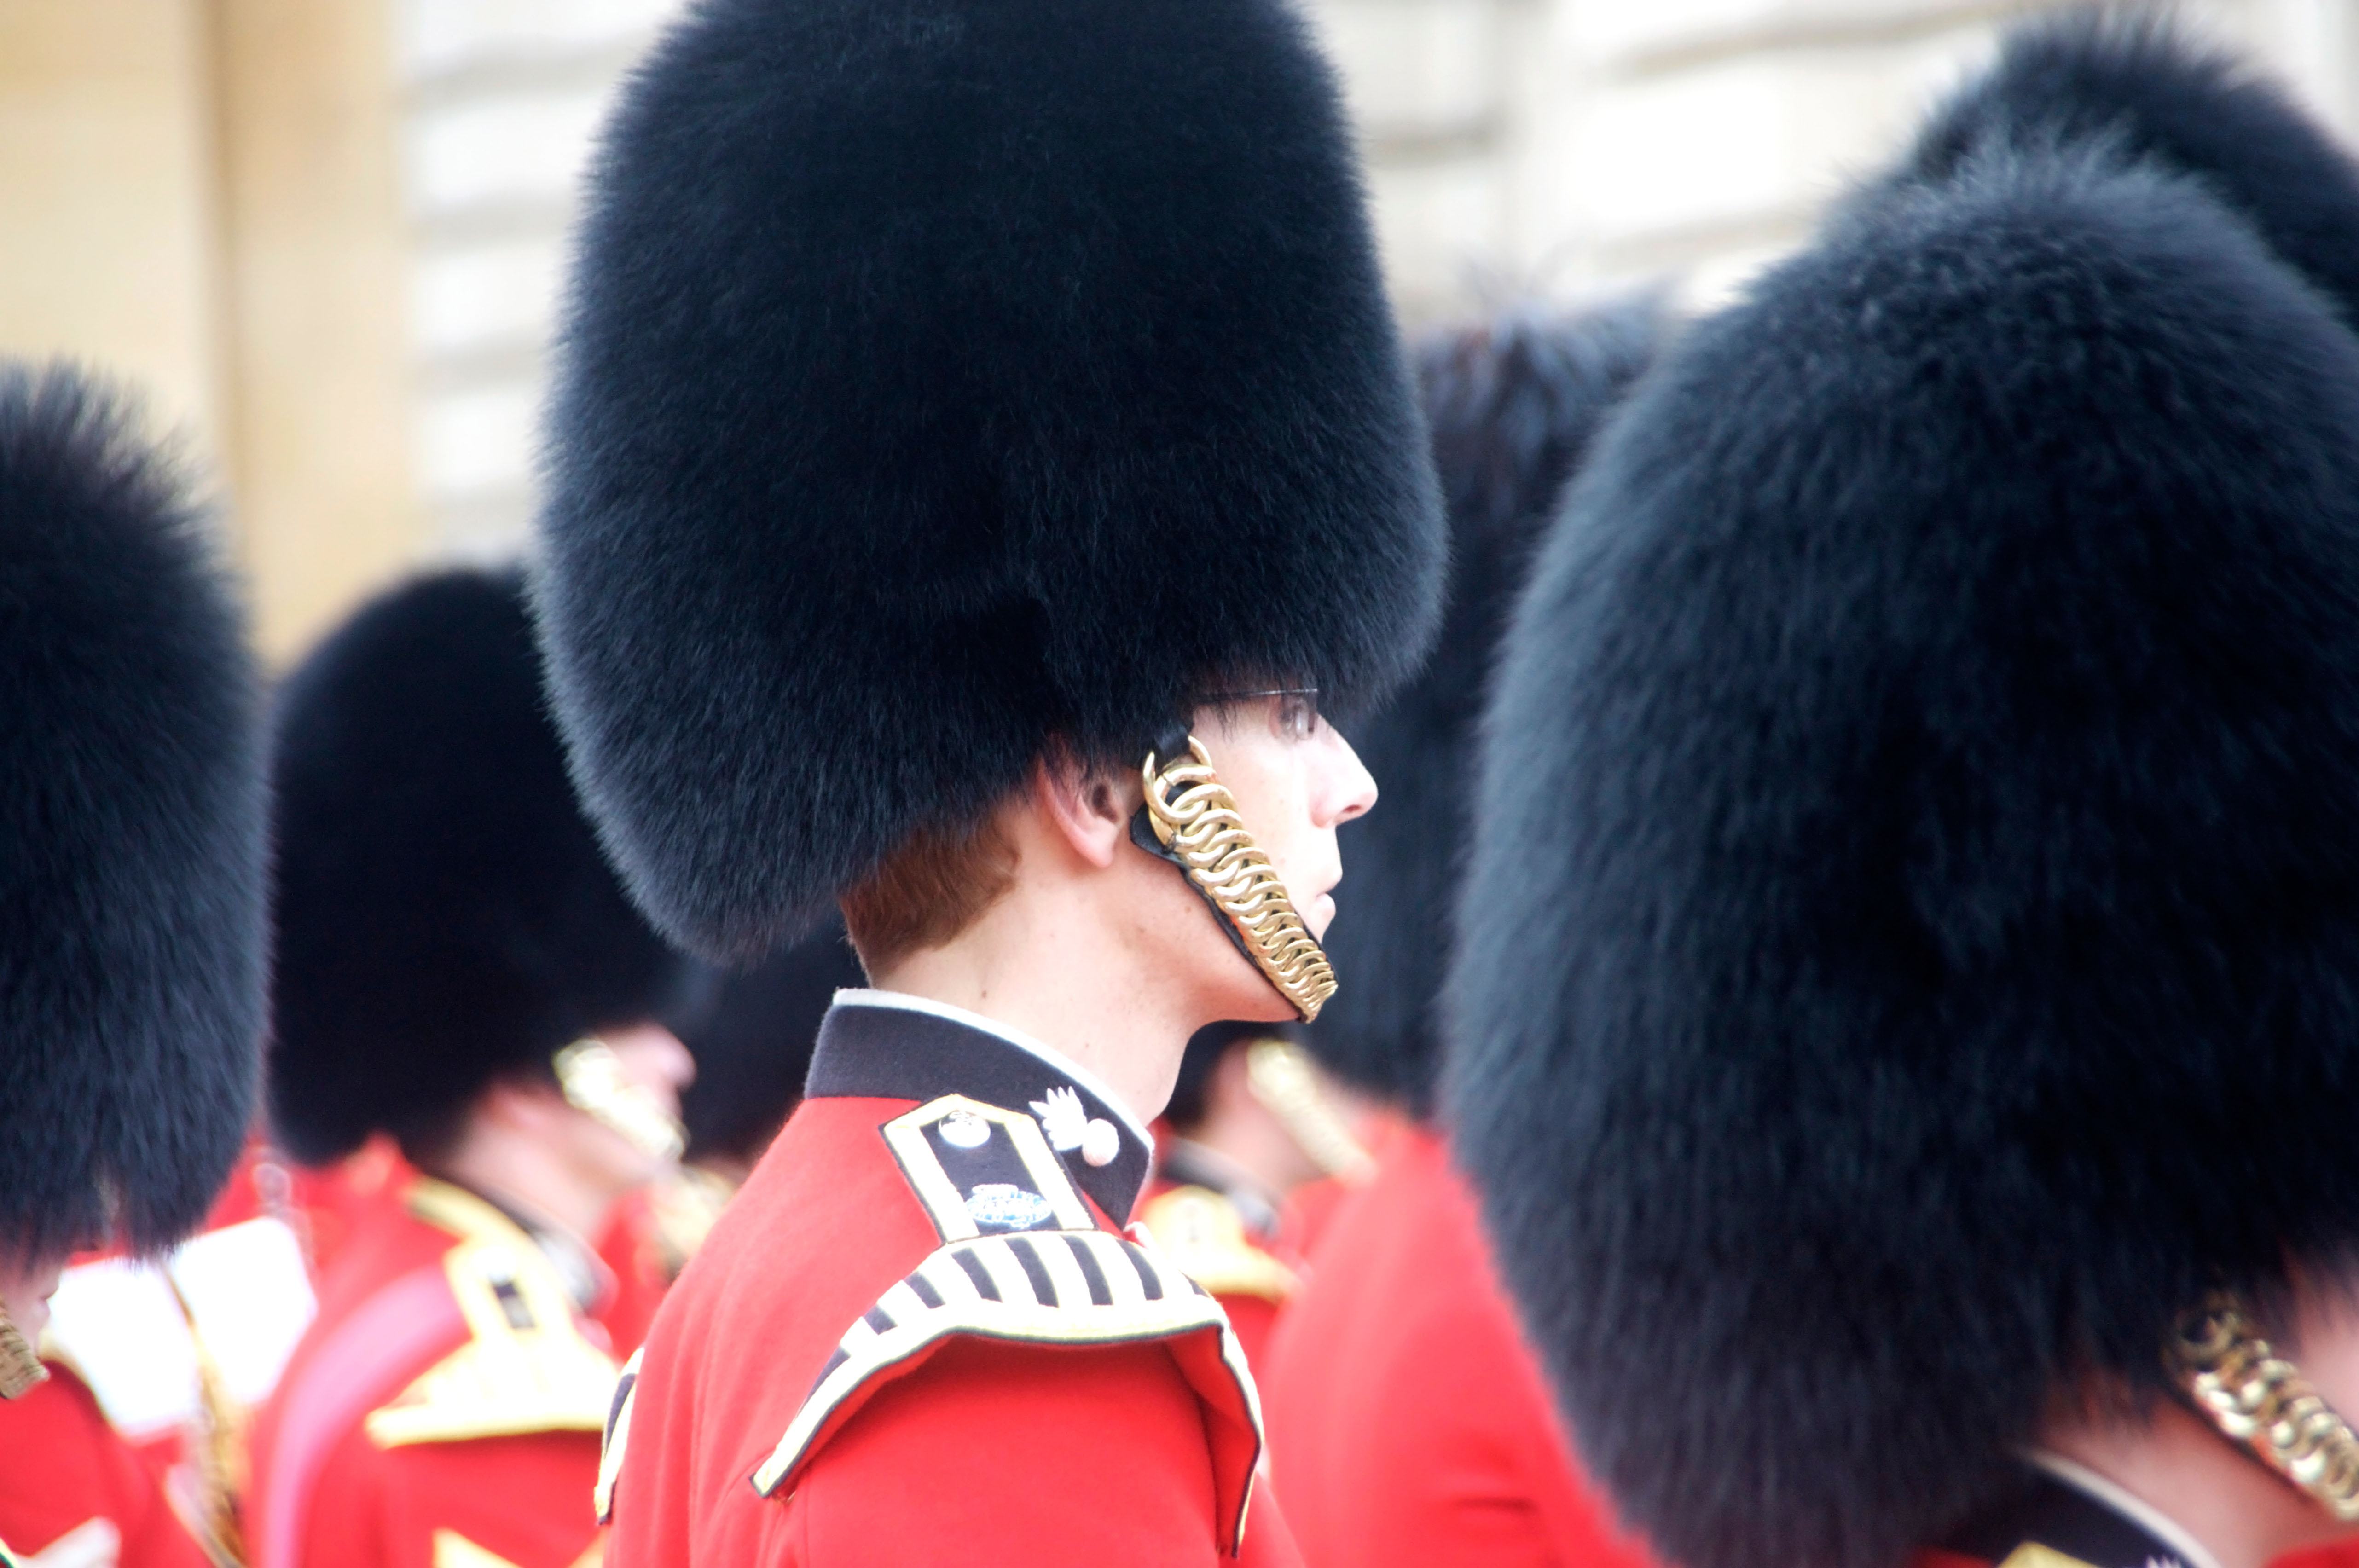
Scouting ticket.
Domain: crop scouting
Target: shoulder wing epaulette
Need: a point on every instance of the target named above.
(1064, 1287)
(1204, 1235)
(526, 1366)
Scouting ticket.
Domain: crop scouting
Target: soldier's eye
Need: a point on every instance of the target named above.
(1297, 716)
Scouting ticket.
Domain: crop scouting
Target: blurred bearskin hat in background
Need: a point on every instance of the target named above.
(2138, 82)
(444, 914)
(1513, 406)
(132, 833)
(1910, 951)
(942, 378)
(753, 1046)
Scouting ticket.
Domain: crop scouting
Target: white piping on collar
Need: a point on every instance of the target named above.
(2163, 1528)
(907, 1003)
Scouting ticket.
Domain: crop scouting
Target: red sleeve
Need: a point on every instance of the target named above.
(67, 1466)
(2342, 1554)
(524, 1499)
(995, 1455)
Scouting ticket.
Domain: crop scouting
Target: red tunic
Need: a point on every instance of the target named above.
(443, 1410)
(67, 1471)
(631, 1249)
(2342, 1554)
(1408, 1422)
(915, 1337)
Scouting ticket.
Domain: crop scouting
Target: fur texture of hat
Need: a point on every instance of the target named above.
(942, 378)
(444, 914)
(1910, 949)
(132, 911)
(2139, 80)
(1513, 406)
(753, 1048)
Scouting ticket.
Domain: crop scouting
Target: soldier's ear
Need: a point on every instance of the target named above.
(1088, 805)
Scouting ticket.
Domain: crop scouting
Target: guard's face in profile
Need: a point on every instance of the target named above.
(1294, 780)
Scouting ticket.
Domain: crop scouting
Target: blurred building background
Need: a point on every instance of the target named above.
(327, 236)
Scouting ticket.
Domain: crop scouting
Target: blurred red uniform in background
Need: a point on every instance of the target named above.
(1407, 1420)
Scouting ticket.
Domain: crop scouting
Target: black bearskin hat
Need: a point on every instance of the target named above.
(943, 377)
(1513, 407)
(132, 841)
(2138, 81)
(1910, 948)
(753, 1046)
(445, 916)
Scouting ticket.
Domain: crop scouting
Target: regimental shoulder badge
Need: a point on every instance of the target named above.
(981, 1170)
(526, 1366)
(1204, 1235)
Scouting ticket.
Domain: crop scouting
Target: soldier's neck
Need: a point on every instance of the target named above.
(1063, 983)
(1097, 949)
(2187, 1474)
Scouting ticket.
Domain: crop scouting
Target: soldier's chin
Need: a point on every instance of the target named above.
(1317, 915)
(1245, 994)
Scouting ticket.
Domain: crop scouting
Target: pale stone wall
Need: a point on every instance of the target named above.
(108, 205)
(1559, 147)
(198, 197)
(504, 98)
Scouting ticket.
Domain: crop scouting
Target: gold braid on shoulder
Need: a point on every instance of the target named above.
(2261, 1400)
(1196, 823)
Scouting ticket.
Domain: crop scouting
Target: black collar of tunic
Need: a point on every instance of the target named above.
(2043, 1509)
(899, 1054)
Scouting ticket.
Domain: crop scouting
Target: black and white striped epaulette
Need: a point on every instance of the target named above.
(1022, 1260)
(1061, 1287)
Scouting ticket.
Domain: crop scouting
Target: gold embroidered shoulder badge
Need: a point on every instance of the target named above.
(525, 1366)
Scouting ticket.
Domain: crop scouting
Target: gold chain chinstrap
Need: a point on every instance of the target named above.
(2262, 1400)
(20, 1367)
(1196, 817)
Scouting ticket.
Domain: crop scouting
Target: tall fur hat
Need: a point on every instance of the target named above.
(753, 1046)
(945, 376)
(2139, 80)
(1513, 406)
(444, 914)
(1909, 950)
(132, 844)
